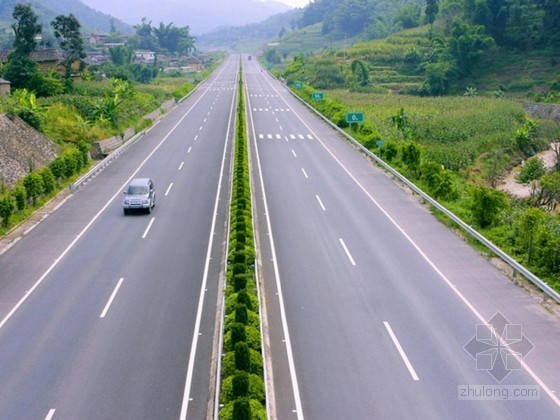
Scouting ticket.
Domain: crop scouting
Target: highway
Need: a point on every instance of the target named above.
(106, 316)
(369, 300)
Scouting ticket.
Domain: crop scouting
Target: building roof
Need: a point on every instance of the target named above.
(39, 56)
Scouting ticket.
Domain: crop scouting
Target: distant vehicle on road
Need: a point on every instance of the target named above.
(140, 195)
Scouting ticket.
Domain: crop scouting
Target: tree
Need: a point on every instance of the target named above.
(556, 150)
(529, 226)
(20, 68)
(145, 35)
(34, 186)
(524, 137)
(25, 29)
(486, 204)
(121, 55)
(67, 31)
(432, 9)
(548, 191)
(410, 155)
(530, 173)
(409, 15)
(360, 72)
(494, 165)
(466, 45)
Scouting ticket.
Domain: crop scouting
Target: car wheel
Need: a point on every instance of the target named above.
(149, 209)
(126, 212)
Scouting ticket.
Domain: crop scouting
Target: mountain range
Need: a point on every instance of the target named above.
(201, 17)
(47, 10)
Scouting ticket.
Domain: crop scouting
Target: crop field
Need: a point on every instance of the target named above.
(453, 130)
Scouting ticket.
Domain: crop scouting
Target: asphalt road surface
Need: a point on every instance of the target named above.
(373, 309)
(370, 301)
(106, 316)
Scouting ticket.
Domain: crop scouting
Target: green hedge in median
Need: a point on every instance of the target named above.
(242, 394)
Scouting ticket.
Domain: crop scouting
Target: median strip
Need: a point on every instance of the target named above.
(242, 393)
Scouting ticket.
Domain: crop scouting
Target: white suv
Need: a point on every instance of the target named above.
(140, 195)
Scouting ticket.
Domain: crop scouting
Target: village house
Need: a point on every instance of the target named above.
(48, 59)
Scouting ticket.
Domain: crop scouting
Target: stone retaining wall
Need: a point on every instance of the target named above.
(22, 148)
(102, 148)
(543, 111)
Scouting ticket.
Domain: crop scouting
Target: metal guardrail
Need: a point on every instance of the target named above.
(107, 161)
(133, 140)
(518, 268)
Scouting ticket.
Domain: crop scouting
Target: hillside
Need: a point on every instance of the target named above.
(47, 10)
(457, 52)
(249, 38)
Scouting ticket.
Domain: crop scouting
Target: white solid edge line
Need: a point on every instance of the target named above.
(320, 203)
(168, 189)
(469, 305)
(94, 218)
(347, 252)
(194, 343)
(287, 340)
(401, 351)
(50, 414)
(110, 301)
(148, 228)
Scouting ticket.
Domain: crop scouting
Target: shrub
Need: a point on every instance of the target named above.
(389, 151)
(49, 182)
(244, 298)
(34, 186)
(58, 167)
(241, 314)
(240, 383)
(242, 357)
(239, 282)
(70, 165)
(410, 155)
(486, 204)
(242, 410)
(20, 195)
(7, 207)
(238, 334)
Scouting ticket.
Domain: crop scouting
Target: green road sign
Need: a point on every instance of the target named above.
(298, 85)
(379, 143)
(354, 117)
(317, 96)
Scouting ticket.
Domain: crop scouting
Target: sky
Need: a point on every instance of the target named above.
(295, 3)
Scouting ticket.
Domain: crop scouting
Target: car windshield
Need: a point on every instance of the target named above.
(135, 190)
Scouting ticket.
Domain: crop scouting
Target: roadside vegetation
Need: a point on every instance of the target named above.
(242, 394)
(457, 149)
(80, 105)
(442, 86)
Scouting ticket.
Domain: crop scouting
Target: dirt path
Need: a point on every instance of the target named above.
(511, 186)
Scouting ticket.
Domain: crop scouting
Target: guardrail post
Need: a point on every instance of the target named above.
(402, 180)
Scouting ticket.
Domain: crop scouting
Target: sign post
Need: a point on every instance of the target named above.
(354, 117)
(317, 96)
